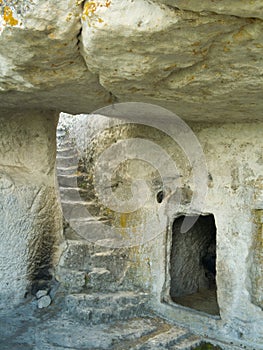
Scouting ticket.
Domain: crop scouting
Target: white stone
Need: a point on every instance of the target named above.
(41, 293)
(44, 302)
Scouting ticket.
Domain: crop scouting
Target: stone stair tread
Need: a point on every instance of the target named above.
(91, 230)
(70, 170)
(165, 340)
(105, 315)
(102, 254)
(105, 299)
(70, 176)
(72, 193)
(100, 279)
(67, 162)
(67, 156)
(73, 189)
(67, 143)
(67, 167)
(82, 221)
(74, 202)
(99, 308)
(63, 147)
(67, 181)
(66, 152)
(99, 270)
(189, 343)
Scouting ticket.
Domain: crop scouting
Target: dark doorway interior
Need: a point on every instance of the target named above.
(193, 265)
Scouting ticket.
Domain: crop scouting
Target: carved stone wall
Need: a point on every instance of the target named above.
(30, 215)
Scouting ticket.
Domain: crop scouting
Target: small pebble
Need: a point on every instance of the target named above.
(41, 293)
(43, 302)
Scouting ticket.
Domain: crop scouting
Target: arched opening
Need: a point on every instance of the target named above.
(193, 265)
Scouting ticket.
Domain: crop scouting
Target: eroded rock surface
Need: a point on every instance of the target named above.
(30, 215)
(201, 60)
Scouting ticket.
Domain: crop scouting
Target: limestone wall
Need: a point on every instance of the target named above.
(233, 156)
(189, 56)
(30, 215)
(234, 160)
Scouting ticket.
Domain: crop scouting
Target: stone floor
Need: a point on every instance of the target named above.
(30, 328)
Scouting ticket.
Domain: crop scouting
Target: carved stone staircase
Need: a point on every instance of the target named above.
(93, 276)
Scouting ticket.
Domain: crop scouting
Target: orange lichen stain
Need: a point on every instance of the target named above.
(90, 8)
(173, 66)
(226, 49)
(123, 224)
(107, 3)
(241, 35)
(123, 220)
(195, 52)
(8, 17)
(196, 43)
(204, 66)
(51, 36)
(69, 17)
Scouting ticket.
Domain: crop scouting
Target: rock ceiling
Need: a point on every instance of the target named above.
(200, 59)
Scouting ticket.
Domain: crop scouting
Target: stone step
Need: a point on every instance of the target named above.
(67, 161)
(100, 279)
(92, 231)
(65, 143)
(66, 152)
(175, 338)
(74, 281)
(75, 210)
(66, 156)
(114, 260)
(69, 170)
(67, 180)
(80, 249)
(101, 300)
(77, 255)
(72, 193)
(188, 343)
(99, 308)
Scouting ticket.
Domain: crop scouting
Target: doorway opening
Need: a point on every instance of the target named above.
(193, 265)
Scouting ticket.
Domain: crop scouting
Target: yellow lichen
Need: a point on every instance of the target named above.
(123, 220)
(8, 17)
(90, 8)
(69, 17)
(123, 224)
(108, 2)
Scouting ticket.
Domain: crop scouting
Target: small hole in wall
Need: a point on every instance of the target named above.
(193, 265)
(159, 196)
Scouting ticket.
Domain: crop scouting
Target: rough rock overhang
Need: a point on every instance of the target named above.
(200, 59)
